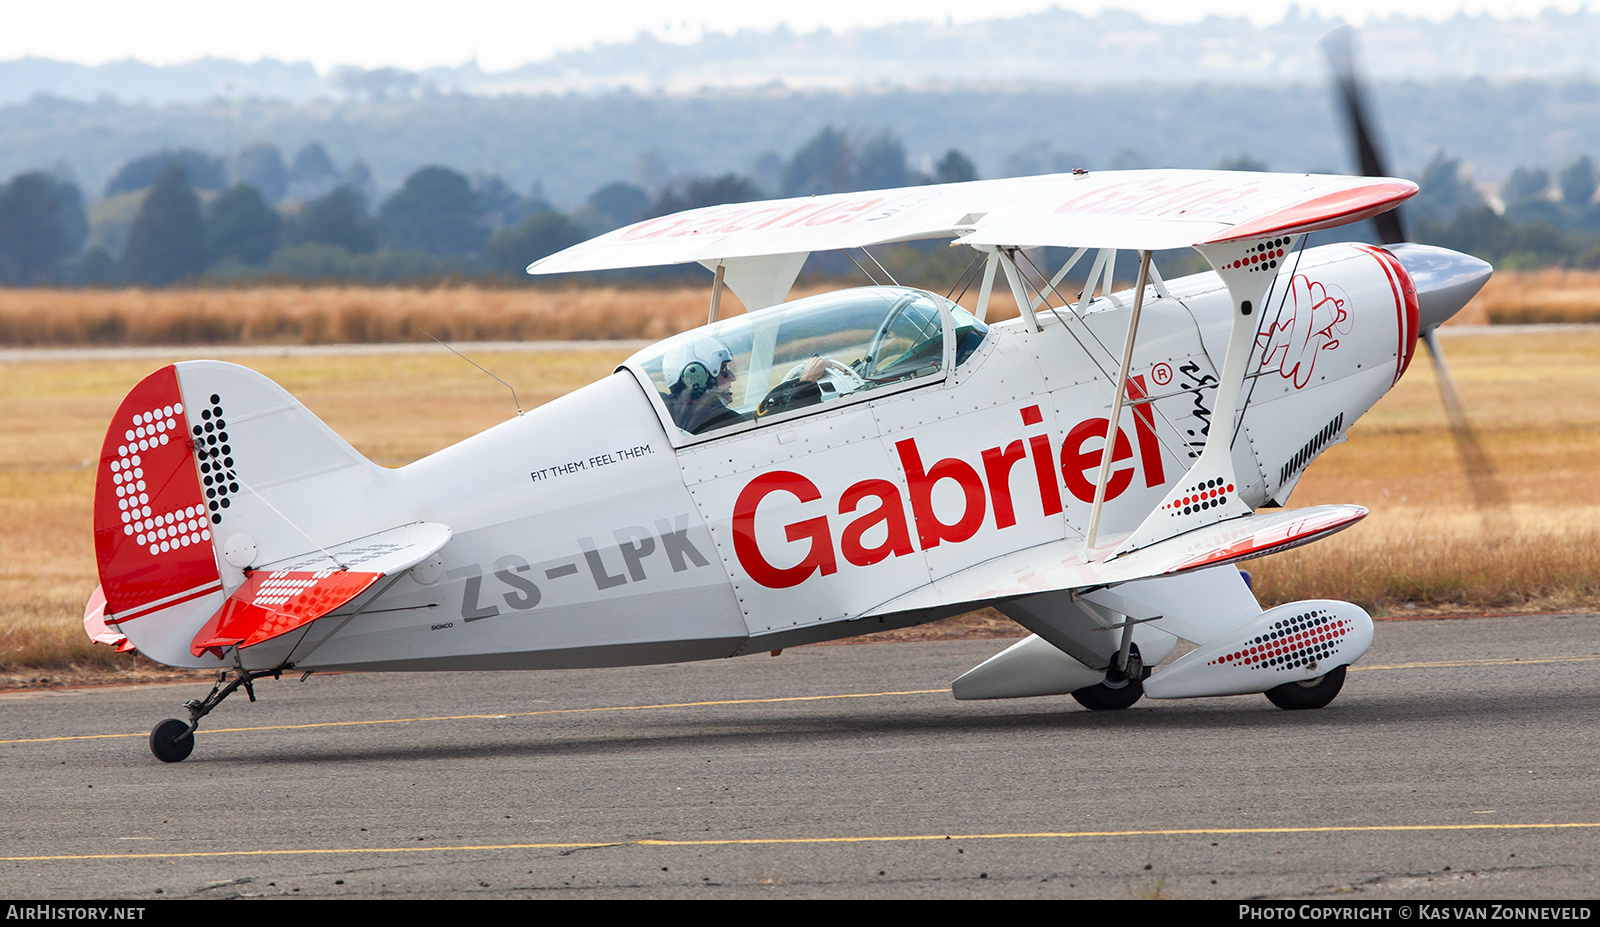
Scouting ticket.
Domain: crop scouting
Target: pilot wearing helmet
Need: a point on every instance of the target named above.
(700, 371)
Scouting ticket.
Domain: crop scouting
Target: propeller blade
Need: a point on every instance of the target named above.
(1339, 46)
(1487, 490)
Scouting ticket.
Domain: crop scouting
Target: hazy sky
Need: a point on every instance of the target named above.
(502, 34)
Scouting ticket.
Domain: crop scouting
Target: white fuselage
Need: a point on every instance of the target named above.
(592, 532)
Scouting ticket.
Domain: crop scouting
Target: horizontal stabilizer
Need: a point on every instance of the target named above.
(279, 597)
(1062, 564)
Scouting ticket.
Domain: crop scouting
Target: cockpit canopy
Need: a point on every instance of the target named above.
(867, 339)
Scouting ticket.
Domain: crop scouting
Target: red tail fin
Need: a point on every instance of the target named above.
(179, 522)
(152, 533)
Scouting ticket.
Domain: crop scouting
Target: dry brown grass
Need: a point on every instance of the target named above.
(362, 315)
(1536, 297)
(1535, 397)
(352, 315)
(342, 315)
(395, 409)
(1540, 568)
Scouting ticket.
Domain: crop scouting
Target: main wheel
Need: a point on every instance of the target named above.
(1312, 693)
(171, 741)
(1101, 697)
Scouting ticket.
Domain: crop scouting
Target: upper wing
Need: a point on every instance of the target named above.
(1112, 209)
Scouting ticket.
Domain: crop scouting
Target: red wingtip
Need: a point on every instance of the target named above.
(1323, 212)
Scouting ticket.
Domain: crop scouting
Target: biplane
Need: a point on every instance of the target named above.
(861, 460)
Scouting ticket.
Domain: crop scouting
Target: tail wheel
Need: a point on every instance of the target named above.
(1312, 693)
(1101, 697)
(171, 741)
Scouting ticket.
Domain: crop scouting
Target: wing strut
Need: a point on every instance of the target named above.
(759, 281)
(1117, 397)
(1055, 281)
(1094, 347)
(1019, 288)
(716, 293)
(1209, 491)
(1098, 276)
(990, 265)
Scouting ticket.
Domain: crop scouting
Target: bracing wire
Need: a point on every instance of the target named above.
(880, 267)
(864, 272)
(1254, 378)
(1067, 304)
(968, 276)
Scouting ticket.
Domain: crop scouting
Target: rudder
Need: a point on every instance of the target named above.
(204, 456)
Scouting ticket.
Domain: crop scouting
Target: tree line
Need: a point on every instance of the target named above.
(306, 219)
(191, 216)
(1544, 220)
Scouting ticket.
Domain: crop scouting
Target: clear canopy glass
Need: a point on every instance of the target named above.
(810, 353)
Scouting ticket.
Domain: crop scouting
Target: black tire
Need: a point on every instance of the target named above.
(1313, 693)
(171, 741)
(1101, 697)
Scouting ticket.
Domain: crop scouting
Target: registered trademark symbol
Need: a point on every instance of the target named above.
(1161, 374)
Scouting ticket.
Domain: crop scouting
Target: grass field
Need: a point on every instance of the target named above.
(394, 409)
(1424, 549)
(1535, 399)
(1538, 297)
(366, 315)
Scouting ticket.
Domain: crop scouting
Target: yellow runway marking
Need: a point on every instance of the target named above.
(740, 701)
(512, 714)
(1499, 662)
(778, 841)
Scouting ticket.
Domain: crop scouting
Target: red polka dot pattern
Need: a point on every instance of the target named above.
(1303, 640)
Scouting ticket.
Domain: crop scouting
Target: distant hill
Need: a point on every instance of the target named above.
(572, 144)
(1055, 46)
(1059, 46)
(136, 82)
(1048, 91)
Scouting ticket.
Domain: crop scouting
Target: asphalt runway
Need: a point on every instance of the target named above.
(1460, 761)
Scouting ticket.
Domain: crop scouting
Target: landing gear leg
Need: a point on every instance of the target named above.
(1121, 688)
(172, 740)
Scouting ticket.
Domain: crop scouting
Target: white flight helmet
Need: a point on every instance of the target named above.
(695, 362)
